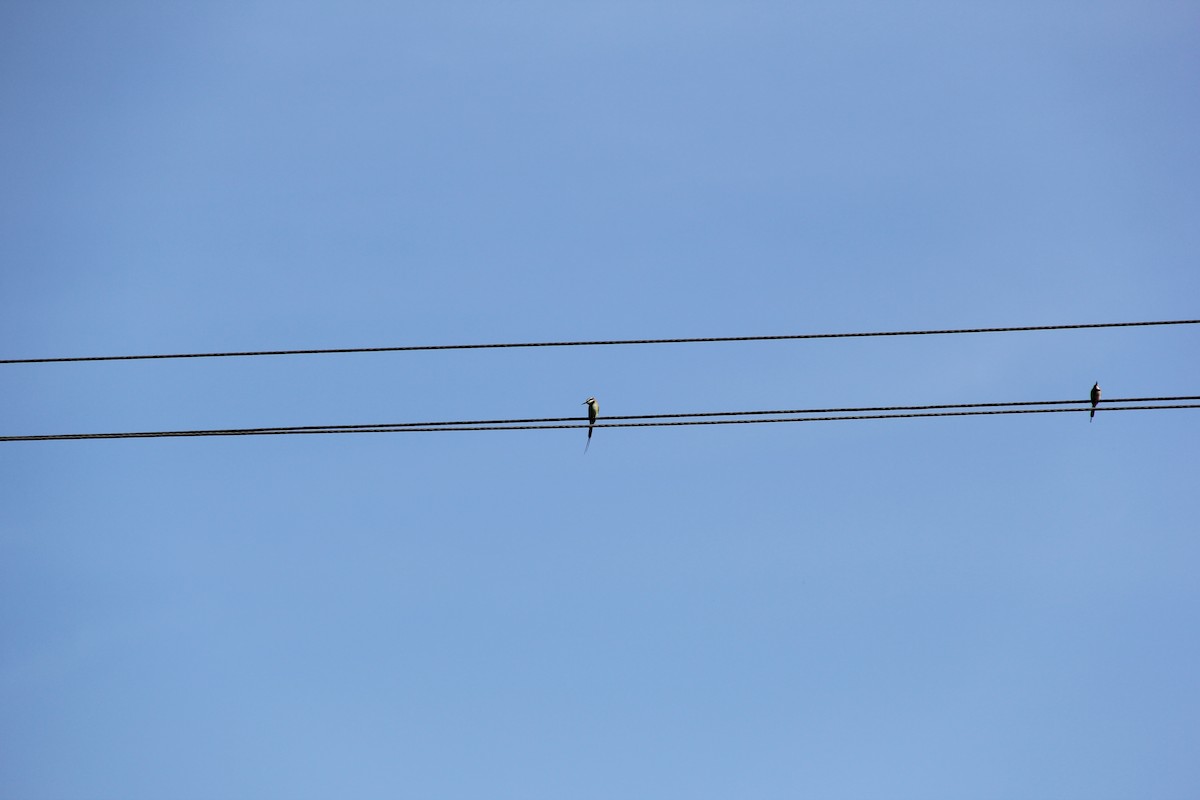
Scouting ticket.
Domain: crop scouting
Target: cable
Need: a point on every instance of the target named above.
(609, 418)
(446, 427)
(749, 421)
(597, 343)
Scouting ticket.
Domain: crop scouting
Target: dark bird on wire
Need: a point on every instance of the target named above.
(593, 412)
(1095, 399)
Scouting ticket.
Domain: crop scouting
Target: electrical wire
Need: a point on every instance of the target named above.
(598, 342)
(609, 418)
(742, 421)
(980, 409)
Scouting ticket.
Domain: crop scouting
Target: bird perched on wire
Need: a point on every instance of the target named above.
(593, 412)
(1095, 399)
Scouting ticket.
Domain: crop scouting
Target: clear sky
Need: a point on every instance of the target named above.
(987, 607)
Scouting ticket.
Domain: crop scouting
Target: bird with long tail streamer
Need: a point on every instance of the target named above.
(593, 412)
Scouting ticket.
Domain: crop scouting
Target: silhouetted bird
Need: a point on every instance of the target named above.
(593, 412)
(1095, 399)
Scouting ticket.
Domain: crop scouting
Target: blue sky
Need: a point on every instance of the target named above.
(979, 607)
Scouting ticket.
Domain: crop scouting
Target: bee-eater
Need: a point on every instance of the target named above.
(1095, 399)
(593, 412)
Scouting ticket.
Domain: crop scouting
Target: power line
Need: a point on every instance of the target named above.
(755, 421)
(763, 413)
(980, 409)
(598, 342)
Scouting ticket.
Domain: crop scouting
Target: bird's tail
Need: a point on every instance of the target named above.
(589, 441)
(1092, 415)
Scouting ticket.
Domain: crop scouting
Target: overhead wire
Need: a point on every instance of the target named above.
(760, 413)
(753, 421)
(659, 420)
(600, 342)
(772, 412)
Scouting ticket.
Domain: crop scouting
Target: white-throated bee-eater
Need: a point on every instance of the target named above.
(593, 412)
(1095, 400)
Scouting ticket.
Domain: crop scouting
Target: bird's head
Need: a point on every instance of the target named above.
(589, 401)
